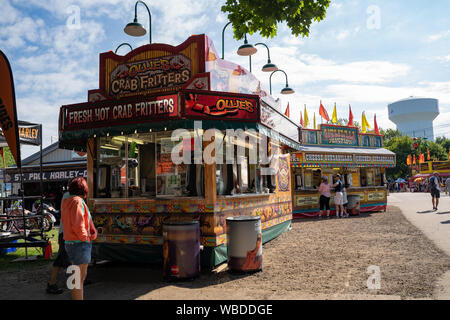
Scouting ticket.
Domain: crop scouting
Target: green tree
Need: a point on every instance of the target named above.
(250, 16)
(390, 133)
(444, 142)
(9, 159)
(401, 146)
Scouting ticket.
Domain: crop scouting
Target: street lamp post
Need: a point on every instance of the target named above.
(136, 29)
(287, 89)
(247, 49)
(124, 44)
(223, 39)
(269, 66)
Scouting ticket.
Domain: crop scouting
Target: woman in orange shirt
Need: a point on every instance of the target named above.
(79, 231)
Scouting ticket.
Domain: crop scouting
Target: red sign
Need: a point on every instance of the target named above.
(212, 106)
(115, 112)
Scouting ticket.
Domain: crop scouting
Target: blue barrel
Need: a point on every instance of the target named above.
(181, 250)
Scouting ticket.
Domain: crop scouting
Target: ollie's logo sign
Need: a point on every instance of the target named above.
(222, 107)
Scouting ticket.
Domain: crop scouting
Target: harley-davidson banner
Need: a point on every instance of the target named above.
(8, 113)
(214, 106)
(28, 134)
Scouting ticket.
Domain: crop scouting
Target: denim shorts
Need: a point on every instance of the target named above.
(79, 252)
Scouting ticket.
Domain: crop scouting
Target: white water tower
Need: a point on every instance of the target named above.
(414, 116)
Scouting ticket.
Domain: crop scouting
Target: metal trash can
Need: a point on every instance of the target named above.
(244, 248)
(181, 250)
(353, 206)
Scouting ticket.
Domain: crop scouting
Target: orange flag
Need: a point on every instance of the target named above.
(8, 113)
(376, 125)
(323, 113)
(350, 116)
(301, 120)
(286, 113)
(414, 159)
(428, 154)
(408, 160)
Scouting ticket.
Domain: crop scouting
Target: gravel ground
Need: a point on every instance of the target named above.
(317, 259)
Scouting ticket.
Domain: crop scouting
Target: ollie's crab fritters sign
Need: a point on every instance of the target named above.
(146, 75)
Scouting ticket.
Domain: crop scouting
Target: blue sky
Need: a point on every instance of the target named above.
(365, 53)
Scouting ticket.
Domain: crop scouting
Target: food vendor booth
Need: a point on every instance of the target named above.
(423, 171)
(159, 103)
(359, 158)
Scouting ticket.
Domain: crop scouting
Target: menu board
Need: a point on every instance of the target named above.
(169, 177)
(306, 201)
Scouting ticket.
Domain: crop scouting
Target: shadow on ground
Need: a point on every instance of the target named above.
(362, 215)
(426, 211)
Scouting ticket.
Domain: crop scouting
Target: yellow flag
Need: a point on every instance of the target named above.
(314, 121)
(364, 123)
(334, 118)
(306, 118)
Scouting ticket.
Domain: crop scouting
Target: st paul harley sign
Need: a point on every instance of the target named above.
(46, 176)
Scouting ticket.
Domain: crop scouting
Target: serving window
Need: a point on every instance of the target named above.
(140, 165)
(240, 170)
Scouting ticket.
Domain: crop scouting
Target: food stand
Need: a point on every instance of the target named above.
(421, 172)
(127, 128)
(359, 158)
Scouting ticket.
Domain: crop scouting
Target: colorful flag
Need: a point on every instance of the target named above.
(334, 118)
(8, 112)
(323, 112)
(414, 159)
(408, 160)
(428, 154)
(350, 116)
(306, 118)
(364, 123)
(286, 113)
(314, 121)
(301, 120)
(375, 125)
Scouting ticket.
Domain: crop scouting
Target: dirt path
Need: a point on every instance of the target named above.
(325, 259)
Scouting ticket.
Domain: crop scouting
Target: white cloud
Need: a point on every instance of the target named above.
(438, 36)
(310, 68)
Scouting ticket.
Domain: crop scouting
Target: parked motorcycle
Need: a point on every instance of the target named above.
(41, 219)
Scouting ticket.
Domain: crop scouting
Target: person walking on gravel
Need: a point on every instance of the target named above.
(435, 190)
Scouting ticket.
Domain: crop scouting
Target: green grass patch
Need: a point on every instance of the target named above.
(6, 263)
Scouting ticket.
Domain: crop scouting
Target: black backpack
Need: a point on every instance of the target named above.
(338, 187)
(433, 183)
